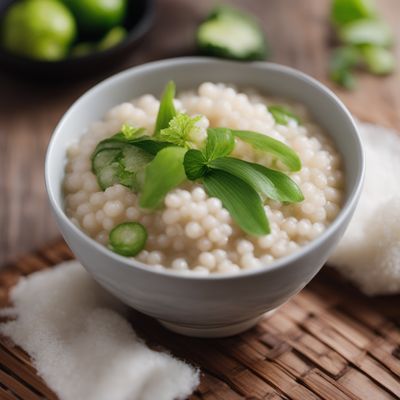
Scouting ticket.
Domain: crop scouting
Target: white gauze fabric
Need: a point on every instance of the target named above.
(369, 253)
(82, 345)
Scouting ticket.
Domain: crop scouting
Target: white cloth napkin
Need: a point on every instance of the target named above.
(369, 253)
(82, 345)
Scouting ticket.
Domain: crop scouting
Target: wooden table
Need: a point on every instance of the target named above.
(299, 36)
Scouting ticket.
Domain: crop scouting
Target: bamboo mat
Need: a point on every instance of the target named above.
(329, 342)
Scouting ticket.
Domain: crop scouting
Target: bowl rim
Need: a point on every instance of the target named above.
(345, 211)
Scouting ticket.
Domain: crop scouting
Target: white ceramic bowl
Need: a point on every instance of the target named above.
(214, 305)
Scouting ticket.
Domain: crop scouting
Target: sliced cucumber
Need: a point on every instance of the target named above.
(233, 34)
(109, 175)
(128, 238)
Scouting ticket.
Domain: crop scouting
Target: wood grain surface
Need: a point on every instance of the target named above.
(299, 36)
(329, 342)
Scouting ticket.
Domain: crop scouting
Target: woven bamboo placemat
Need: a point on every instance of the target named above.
(329, 342)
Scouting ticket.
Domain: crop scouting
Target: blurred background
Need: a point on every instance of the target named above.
(40, 80)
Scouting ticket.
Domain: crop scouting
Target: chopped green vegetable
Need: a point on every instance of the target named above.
(282, 115)
(167, 109)
(131, 132)
(231, 33)
(220, 142)
(366, 31)
(113, 37)
(343, 60)
(164, 173)
(345, 11)
(278, 149)
(378, 60)
(128, 239)
(181, 131)
(240, 199)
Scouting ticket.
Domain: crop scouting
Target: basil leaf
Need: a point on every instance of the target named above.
(220, 143)
(195, 164)
(287, 189)
(245, 171)
(162, 174)
(240, 199)
(278, 149)
(282, 115)
(167, 109)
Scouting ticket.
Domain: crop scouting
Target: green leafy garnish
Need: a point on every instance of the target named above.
(378, 60)
(345, 11)
(342, 62)
(247, 173)
(240, 199)
(220, 142)
(128, 238)
(167, 109)
(278, 149)
(195, 164)
(282, 115)
(165, 172)
(181, 130)
(131, 132)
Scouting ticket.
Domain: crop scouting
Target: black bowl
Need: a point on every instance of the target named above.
(138, 21)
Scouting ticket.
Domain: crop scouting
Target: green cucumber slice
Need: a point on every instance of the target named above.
(128, 238)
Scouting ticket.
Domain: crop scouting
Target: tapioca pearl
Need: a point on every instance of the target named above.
(306, 155)
(319, 178)
(198, 194)
(228, 267)
(208, 89)
(214, 205)
(319, 215)
(296, 178)
(198, 211)
(276, 216)
(292, 247)
(222, 241)
(304, 227)
(130, 199)
(81, 166)
(179, 264)
(113, 192)
(305, 174)
(200, 271)
(207, 260)
(318, 199)
(223, 215)
(267, 259)
(332, 194)
(142, 256)
(317, 229)
(173, 200)
(108, 223)
(173, 230)
(155, 257)
(289, 225)
(248, 261)
(307, 207)
(97, 199)
(73, 150)
(319, 160)
(338, 178)
(113, 208)
(300, 143)
(171, 216)
(83, 209)
(76, 199)
(146, 220)
(220, 255)
(102, 237)
(122, 112)
(244, 247)
(185, 196)
(209, 222)
(73, 182)
(100, 215)
(226, 229)
(194, 230)
(132, 213)
(204, 244)
(163, 241)
(332, 210)
(267, 241)
(215, 235)
(89, 222)
(279, 249)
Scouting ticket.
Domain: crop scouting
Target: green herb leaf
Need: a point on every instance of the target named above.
(366, 31)
(240, 199)
(342, 61)
(247, 173)
(287, 189)
(220, 143)
(162, 174)
(282, 115)
(128, 238)
(181, 131)
(345, 11)
(195, 164)
(378, 60)
(131, 132)
(167, 109)
(278, 149)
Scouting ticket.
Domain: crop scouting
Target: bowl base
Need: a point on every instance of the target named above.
(204, 331)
